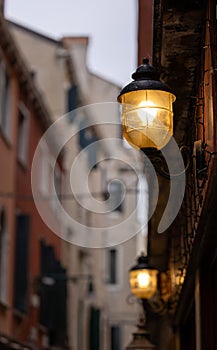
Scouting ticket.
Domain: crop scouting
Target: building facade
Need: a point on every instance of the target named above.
(24, 236)
(101, 312)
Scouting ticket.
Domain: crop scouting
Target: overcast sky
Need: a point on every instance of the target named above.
(110, 24)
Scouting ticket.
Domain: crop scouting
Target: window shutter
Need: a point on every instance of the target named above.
(53, 297)
(115, 338)
(112, 265)
(72, 98)
(94, 329)
(21, 269)
(87, 138)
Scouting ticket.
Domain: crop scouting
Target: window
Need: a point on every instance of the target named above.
(112, 266)
(57, 181)
(21, 269)
(88, 141)
(115, 337)
(44, 172)
(23, 134)
(5, 99)
(3, 257)
(57, 187)
(53, 297)
(72, 98)
(116, 193)
(94, 329)
(50, 179)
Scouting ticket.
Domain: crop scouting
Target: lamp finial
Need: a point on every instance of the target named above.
(145, 60)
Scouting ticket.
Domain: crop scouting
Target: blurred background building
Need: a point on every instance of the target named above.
(72, 296)
(24, 236)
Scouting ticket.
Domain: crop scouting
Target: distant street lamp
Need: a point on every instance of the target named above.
(143, 279)
(143, 284)
(141, 339)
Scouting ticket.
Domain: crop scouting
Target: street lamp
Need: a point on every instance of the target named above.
(143, 279)
(143, 284)
(147, 109)
(141, 339)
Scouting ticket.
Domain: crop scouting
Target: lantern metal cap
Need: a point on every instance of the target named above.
(141, 338)
(145, 78)
(146, 72)
(142, 263)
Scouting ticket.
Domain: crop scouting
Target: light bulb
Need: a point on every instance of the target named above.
(143, 279)
(147, 112)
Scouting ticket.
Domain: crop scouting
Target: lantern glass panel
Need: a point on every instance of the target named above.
(147, 118)
(143, 283)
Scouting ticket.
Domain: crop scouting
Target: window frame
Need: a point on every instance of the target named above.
(118, 271)
(113, 328)
(5, 101)
(117, 193)
(23, 135)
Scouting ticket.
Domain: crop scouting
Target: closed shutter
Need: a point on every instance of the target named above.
(115, 338)
(53, 297)
(72, 98)
(21, 269)
(112, 266)
(88, 138)
(94, 329)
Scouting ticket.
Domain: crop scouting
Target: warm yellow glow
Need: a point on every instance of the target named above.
(143, 283)
(147, 118)
(143, 279)
(147, 112)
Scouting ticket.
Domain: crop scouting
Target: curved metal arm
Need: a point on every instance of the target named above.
(160, 164)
